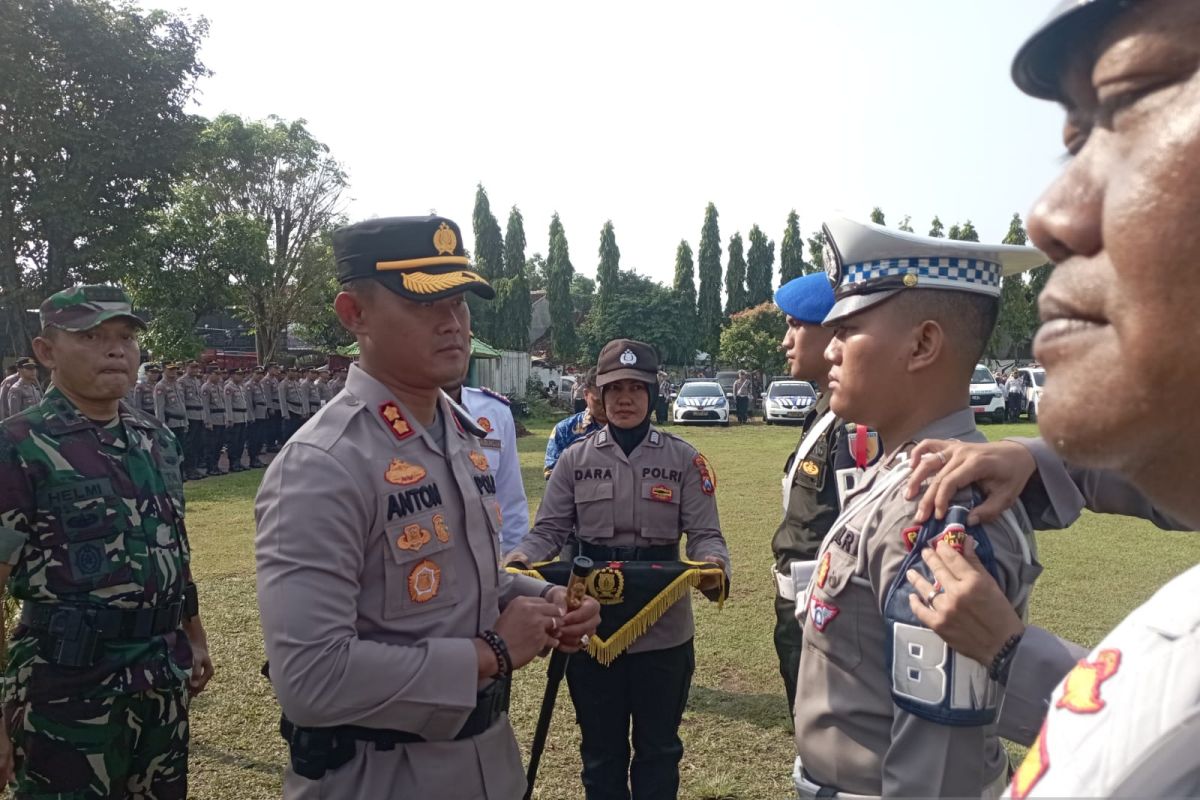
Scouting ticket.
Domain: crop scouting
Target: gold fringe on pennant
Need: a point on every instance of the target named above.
(606, 651)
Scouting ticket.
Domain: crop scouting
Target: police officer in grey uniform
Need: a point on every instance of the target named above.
(9, 379)
(237, 416)
(24, 392)
(193, 443)
(256, 435)
(310, 392)
(212, 398)
(170, 409)
(629, 491)
(390, 628)
(883, 707)
(293, 403)
(143, 390)
(274, 435)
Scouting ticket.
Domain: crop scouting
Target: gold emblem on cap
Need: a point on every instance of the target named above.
(910, 280)
(444, 240)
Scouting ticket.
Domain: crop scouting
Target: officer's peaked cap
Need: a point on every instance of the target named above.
(1037, 67)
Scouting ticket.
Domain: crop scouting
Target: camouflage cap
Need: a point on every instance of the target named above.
(82, 308)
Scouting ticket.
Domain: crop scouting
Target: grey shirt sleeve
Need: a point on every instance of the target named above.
(555, 517)
(1041, 661)
(510, 489)
(312, 525)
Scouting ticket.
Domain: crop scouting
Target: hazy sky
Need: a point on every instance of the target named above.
(644, 112)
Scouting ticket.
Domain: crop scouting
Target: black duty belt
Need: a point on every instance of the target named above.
(315, 751)
(599, 552)
(108, 623)
(195, 408)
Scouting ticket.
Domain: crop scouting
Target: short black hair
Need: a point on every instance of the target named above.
(968, 318)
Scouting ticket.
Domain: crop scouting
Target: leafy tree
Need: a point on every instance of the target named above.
(512, 309)
(641, 309)
(564, 345)
(684, 292)
(273, 192)
(936, 229)
(906, 224)
(1015, 322)
(610, 262)
(1037, 282)
(708, 300)
(93, 131)
(583, 295)
(877, 216)
(760, 267)
(964, 233)
(318, 323)
(489, 262)
(955, 232)
(535, 272)
(816, 251)
(752, 339)
(735, 276)
(791, 251)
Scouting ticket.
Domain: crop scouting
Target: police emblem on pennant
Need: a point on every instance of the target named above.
(1081, 689)
(413, 538)
(607, 585)
(444, 240)
(662, 493)
(424, 581)
(823, 571)
(628, 358)
(402, 473)
(821, 613)
(439, 528)
(479, 460)
(395, 420)
(485, 424)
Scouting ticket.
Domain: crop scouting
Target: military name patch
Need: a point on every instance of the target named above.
(708, 480)
(490, 444)
(479, 460)
(402, 473)
(401, 504)
(661, 493)
(823, 570)
(821, 613)
(424, 581)
(66, 495)
(395, 420)
(1081, 689)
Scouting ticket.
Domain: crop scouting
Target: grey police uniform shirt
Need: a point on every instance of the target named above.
(609, 498)
(293, 399)
(849, 732)
(271, 387)
(5, 385)
(257, 393)
(500, 446)
(168, 404)
(1054, 498)
(378, 564)
(212, 398)
(191, 396)
(143, 397)
(237, 407)
(21, 395)
(1124, 722)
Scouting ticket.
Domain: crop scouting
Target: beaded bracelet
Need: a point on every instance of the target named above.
(503, 660)
(998, 671)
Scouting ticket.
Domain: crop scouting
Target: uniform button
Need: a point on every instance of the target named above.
(351, 401)
(834, 580)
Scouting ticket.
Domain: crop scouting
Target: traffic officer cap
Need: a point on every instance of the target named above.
(1038, 65)
(627, 359)
(82, 308)
(25, 362)
(867, 264)
(420, 258)
(807, 298)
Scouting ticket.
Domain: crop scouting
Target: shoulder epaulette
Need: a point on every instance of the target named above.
(495, 395)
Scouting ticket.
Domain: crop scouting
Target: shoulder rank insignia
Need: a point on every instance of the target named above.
(479, 460)
(424, 581)
(495, 395)
(485, 424)
(708, 479)
(1081, 689)
(395, 420)
(655, 438)
(402, 473)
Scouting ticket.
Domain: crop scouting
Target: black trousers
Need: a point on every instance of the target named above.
(255, 437)
(788, 644)
(214, 440)
(193, 446)
(274, 429)
(649, 689)
(660, 410)
(235, 444)
(743, 408)
(1012, 406)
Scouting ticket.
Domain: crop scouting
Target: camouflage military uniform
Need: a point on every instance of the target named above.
(91, 518)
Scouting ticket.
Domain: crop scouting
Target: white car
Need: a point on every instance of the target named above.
(1033, 381)
(787, 401)
(700, 401)
(987, 397)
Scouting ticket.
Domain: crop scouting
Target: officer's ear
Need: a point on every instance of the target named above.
(928, 341)
(43, 347)
(350, 307)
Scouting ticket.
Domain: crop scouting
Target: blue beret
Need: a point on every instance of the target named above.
(807, 298)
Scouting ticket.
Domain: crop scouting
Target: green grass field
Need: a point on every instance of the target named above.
(736, 727)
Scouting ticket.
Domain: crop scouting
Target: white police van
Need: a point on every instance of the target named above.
(987, 396)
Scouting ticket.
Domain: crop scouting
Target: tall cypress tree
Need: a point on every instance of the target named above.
(489, 262)
(1015, 322)
(514, 310)
(936, 229)
(877, 216)
(964, 233)
(684, 292)
(564, 345)
(760, 267)
(906, 224)
(708, 300)
(791, 252)
(610, 265)
(816, 251)
(735, 277)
